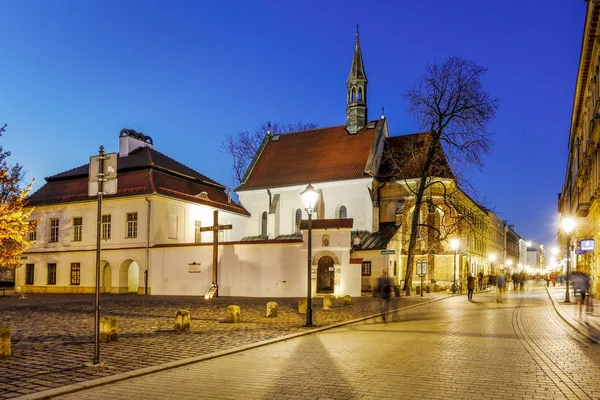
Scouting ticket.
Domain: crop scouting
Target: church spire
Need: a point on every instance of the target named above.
(356, 109)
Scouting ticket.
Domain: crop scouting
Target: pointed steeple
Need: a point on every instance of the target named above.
(356, 109)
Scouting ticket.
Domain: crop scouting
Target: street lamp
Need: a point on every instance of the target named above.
(309, 197)
(568, 224)
(454, 243)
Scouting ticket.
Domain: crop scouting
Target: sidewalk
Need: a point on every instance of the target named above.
(581, 319)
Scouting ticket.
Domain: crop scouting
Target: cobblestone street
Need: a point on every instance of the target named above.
(454, 349)
(53, 342)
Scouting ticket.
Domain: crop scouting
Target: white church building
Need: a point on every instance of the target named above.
(152, 235)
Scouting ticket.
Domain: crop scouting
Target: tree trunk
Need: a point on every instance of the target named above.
(433, 146)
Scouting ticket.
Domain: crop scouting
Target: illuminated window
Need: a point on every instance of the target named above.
(132, 225)
(52, 274)
(105, 227)
(75, 273)
(53, 230)
(77, 228)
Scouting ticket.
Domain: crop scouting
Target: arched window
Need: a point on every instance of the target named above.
(342, 213)
(353, 94)
(297, 219)
(263, 224)
(360, 94)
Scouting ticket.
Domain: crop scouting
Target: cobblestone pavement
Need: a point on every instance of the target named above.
(53, 342)
(451, 349)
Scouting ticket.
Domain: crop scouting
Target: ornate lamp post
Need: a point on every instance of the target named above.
(309, 197)
(454, 244)
(568, 224)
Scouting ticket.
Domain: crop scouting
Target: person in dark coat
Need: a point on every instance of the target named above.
(470, 286)
(384, 288)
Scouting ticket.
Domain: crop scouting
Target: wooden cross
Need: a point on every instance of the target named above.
(215, 228)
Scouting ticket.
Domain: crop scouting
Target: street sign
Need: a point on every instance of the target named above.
(215, 228)
(109, 185)
(384, 252)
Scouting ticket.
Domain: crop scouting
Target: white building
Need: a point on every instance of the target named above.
(151, 234)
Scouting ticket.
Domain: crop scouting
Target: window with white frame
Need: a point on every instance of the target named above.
(75, 273)
(77, 228)
(32, 236)
(53, 230)
(132, 225)
(105, 235)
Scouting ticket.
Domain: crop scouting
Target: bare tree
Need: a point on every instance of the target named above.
(243, 145)
(14, 222)
(449, 102)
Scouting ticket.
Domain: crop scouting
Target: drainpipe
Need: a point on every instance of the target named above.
(147, 247)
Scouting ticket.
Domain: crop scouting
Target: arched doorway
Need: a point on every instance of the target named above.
(129, 277)
(325, 275)
(106, 278)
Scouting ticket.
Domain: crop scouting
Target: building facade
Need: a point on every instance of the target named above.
(579, 198)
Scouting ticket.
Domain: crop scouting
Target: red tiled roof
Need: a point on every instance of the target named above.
(409, 152)
(144, 171)
(319, 155)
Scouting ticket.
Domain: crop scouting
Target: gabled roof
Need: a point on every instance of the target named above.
(143, 171)
(409, 153)
(318, 155)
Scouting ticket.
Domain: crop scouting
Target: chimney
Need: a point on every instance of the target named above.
(129, 140)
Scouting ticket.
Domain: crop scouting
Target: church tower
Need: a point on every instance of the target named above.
(356, 109)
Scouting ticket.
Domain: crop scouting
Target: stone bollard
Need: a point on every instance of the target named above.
(233, 314)
(108, 329)
(347, 300)
(327, 302)
(302, 306)
(4, 341)
(272, 309)
(182, 321)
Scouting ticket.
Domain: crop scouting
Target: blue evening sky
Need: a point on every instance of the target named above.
(73, 73)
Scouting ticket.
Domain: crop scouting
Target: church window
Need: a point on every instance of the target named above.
(263, 224)
(298, 219)
(342, 213)
(360, 94)
(353, 94)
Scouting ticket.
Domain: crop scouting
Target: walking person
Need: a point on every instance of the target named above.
(501, 279)
(384, 288)
(470, 286)
(480, 280)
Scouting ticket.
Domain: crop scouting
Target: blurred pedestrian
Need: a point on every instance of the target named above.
(480, 280)
(384, 288)
(470, 286)
(501, 281)
(515, 279)
(581, 285)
